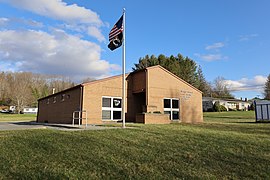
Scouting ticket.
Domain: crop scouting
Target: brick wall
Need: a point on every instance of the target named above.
(92, 96)
(162, 84)
(58, 108)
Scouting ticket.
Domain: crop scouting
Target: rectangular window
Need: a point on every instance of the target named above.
(54, 99)
(175, 103)
(106, 114)
(111, 108)
(106, 102)
(175, 115)
(167, 103)
(117, 115)
(62, 97)
(117, 103)
(171, 107)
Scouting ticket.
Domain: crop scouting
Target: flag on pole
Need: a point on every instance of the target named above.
(116, 35)
(117, 38)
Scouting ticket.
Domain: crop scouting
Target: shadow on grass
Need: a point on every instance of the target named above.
(255, 122)
(228, 117)
(239, 127)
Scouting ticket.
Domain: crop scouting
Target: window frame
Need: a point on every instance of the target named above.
(171, 109)
(112, 109)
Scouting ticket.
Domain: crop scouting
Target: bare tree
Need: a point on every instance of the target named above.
(24, 89)
(220, 89)
(59, 83)
(88, 79)
(19, 89)
(267, 88)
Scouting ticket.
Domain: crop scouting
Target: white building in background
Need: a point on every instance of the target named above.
(30, 110)
(12, 108)
(229, 104)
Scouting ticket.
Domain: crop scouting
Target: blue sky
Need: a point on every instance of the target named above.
(226, 38)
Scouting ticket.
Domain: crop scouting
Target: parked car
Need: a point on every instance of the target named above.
(6, 111)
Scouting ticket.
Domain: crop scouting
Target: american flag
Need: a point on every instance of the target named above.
(117, 29)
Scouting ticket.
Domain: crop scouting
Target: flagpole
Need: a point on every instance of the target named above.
(124, 70)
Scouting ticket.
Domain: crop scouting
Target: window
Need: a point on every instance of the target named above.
(171, 107)
(175, 103)
(54, 99)
(111, 108)
(117, 103)
(106, 114)
(63, 97)
(167, 103)
(106, 102)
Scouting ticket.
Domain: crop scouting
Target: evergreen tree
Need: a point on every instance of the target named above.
(267, 88)
(203, 85)
(188, 71)
(183, 67)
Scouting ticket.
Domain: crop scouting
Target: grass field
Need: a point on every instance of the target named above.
(228, 145)
(17, 117)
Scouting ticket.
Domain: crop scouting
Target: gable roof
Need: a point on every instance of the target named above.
(170, 73)
(102, 80)
(118, 76)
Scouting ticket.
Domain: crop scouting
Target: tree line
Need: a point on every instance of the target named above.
(23, 89)
(188, 70)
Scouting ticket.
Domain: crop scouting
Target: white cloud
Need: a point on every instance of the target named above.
(56, 53)
(72, 15)
(215, 54)
(211, 57)
(32, 23)
(57, 9)
(95, 32)
(245, 84)
(215, 46)
(3, 21)
(247, 37)
(20, 22)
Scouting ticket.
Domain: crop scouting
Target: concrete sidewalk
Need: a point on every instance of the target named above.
(34, 125)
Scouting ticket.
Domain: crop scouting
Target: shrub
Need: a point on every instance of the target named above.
(223, 108)
(219, 108)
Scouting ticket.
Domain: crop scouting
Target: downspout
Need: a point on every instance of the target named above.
(38, 111)
(146, 88)
(81, 103)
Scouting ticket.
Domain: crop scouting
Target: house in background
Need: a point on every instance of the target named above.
(153, 95)
(229, 104)
(29, 110)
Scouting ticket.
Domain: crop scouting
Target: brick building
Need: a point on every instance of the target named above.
(153, 95)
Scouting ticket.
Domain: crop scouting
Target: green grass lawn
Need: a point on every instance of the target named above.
(227, 146)
(17, 117)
